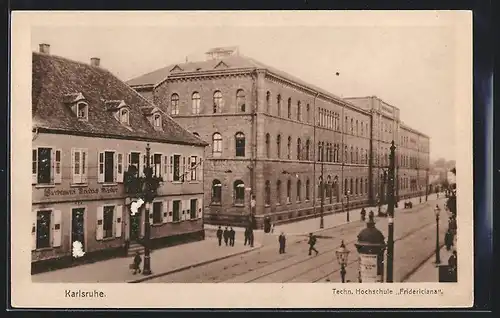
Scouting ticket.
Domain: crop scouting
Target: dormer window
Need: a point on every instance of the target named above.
(82, 111)
(124, 116)
(157, 120)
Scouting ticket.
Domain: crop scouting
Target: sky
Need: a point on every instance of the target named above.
(408, 65)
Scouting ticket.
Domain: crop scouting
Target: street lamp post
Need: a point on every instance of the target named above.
(437, 210)
(390, 214)
(147, 226)
(342, 255)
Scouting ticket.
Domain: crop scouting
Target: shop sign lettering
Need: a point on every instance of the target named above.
(79, 191)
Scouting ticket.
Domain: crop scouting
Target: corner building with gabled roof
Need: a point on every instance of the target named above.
(89, 128)
(272, 138)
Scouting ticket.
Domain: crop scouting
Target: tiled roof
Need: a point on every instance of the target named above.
(57, 81)
(233, 62)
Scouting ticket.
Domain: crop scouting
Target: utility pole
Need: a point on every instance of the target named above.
(390, 213)
(322, 187)
(147, 226)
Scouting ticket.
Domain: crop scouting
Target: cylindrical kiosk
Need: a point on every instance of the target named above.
(371, 246)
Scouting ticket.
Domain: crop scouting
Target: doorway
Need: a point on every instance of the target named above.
(135, 227)
(78, 226)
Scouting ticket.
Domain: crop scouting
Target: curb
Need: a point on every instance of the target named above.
(180, 269)
(419, 265)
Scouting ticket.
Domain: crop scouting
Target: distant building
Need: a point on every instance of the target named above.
(88, 128)
(275, 137)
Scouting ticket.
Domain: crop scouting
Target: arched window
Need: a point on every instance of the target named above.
(216, 192)
(267, 190)
(307, 149)
(174, 104)
(329, 185)
(299, 149)
(278, 146)
(195, 103)
(289, 107)
(278, 192)
(156, 120)
(240, 100)
(239, 192)
(351, 187)
(268, 102)
(366, 185)
(320, 186)
(308, 189)
(346, 187)
(308, 113)
(346, 155)
(268, 145)
(299, 111)
(289, 191)
(217, 102)
(299, 190)
(352, 126)
(356, 187)
(352, 155)
(289, 148)
(345, 125)
(217, 145)
(357, 155)
(357, 131)
(240, 144)
(278, 104)
(366, 157)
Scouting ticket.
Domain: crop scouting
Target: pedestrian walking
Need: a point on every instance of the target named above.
(232, 235)
(247, 236)
(226, 235)
(312, 242)
(272, 228)
(251, 237)
(282, 242)
(363, 214)
(371, 215)
(452, 261)
(219, 235)
(136, 265)
(448, 240)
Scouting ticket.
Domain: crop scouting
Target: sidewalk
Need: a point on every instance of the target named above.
(428, 272)
(163, 261)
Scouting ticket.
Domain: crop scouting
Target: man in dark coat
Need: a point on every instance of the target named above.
(448, 240)
(226, 235)
(282, 242)
(250, 236)
(452, 261)
(247, 235)
(137, 262)
(312, 242)
(232, 235)
(219, 235)
(363, 214)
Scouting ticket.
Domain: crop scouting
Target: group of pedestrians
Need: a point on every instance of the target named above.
(229, 234)
(311, 242)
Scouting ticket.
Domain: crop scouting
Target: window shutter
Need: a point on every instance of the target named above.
(33, 230)
(183, 169)
(200, 208)
(183, 215)
(199, 172)
(100, 174)
(52, 164)
(171, 169)
(58, 166)
(99, 225)
(76, 174)
(56, 230)
(85, 165)
(165, 168)
(118, 221)
(121, 165)
(115, 167)
(34, 168)
(165, 211)
(170, 215)
(129, 160)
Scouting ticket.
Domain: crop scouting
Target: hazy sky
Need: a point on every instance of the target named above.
(410, 66)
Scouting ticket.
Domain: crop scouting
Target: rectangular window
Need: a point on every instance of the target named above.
(109, 164)
(135, 159)
(79, 162)
(176, 209)
(192, 208)
(157, 212)
(177, 168)
(43, 225)
(157, 165)
(44, 165)
(120, 163)
(193, 167)
(108, 219)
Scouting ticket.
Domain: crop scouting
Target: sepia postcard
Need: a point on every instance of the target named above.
(251, 159)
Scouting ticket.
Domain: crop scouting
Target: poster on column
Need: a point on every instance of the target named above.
(368, 269)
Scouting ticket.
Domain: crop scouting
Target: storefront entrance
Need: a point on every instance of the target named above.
(78, 226)
(135, 227)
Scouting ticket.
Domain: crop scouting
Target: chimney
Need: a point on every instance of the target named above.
(45, 48)
(95, 61)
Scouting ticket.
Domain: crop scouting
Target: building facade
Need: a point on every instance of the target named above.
(89, 130)
(279, 147)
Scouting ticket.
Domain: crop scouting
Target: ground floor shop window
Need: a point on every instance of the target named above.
(43, 229)
(175, 209)
(192, 211)
(157, 212)
(108, 215)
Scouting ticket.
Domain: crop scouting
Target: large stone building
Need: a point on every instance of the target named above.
(89, 129)
(273, 138)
